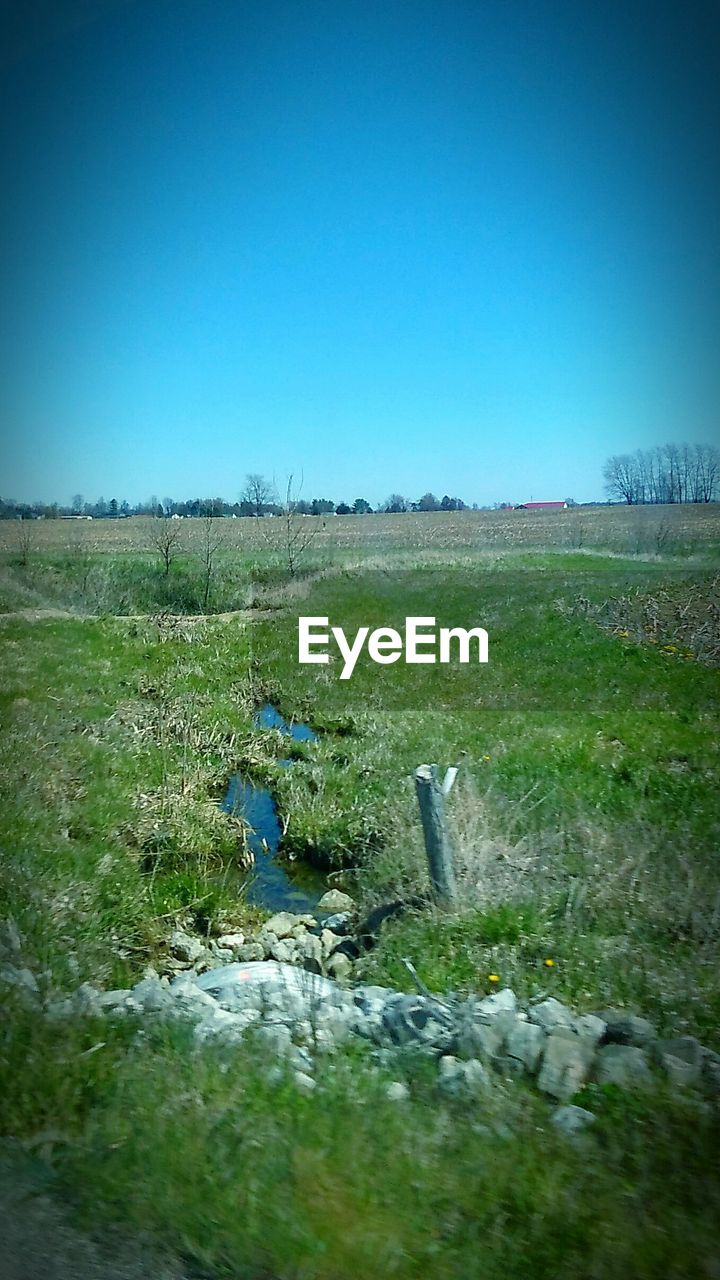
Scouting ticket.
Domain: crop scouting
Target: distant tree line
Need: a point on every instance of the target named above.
(669, 473)
(258, 498)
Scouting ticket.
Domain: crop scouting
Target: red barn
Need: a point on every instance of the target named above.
(542, 506)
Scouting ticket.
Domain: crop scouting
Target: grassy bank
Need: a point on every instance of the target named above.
(586, 825)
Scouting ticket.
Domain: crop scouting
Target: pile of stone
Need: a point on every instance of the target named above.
(316, 943)
(283, 989)
(300, 1015)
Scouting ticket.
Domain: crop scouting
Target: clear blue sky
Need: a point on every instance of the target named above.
(395, 245)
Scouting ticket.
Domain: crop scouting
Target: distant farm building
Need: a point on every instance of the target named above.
(542, 506)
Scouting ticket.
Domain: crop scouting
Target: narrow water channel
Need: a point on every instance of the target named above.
(272, 884)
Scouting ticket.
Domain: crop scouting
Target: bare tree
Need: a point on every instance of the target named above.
(26, 540)
(620, 474)
(666, 474)
(706, 472)
(299, 531)
(212, 539)
(258, 492)
(166, 539)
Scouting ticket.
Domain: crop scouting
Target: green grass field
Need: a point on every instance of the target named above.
(586, 825)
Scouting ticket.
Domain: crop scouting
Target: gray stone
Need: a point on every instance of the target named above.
(300, 1059)
(551, 1015)
(334, 901)
(337, 1023)
(223, 955)
(571, 1121)
(151, 994)
(309, 949)
(397, 1091)
(276, 1037)
(231, 941)
(281, 924)
(266, 984)
(267, 940)
(480, 1040)
(681, 1058)
(339, 923)
(339, 967)
(83, 1003)
(565, 1065)
(251, 951)
(189, 999)
(458, 1079)
(418, 1021)
(173, 966)
(525, 1045)
(622, 1027)
(284, 951)
(220, 1024)
(369, 994)
(711, 1071)
(116, 1001)
(328, 941)
(624, 1065)
(11, 938)
(23, 979)
(504, 1001)
(303, 1082)
(590, 1027)
(186, 948)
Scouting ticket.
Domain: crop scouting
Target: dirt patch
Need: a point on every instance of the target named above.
(41, 1243)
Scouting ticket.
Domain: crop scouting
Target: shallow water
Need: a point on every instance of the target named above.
(272, 884)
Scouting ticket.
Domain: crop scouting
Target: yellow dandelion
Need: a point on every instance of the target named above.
(493, 977)
(549, 962)
(486, 758)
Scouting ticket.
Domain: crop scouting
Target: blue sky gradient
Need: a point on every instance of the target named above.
(395, 246)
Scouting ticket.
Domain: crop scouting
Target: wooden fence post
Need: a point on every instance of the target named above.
(430, 794)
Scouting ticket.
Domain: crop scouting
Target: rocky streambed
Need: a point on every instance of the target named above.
(321, 942)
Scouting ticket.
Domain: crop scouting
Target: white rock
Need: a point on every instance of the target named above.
(504, 1001)
(551, 1014)
(396, 1091)
(276, 1037)
(282, 924)
(566, 1062)
(284, 950)
(339, 967)
(334, 901)
(184, 947)
(328, 941)
(572, 1120)
(231, 941)
(525, 1044)
(309, 948)
(151, 994)
(461, 1079)
(624, 1065)
(590, 1027)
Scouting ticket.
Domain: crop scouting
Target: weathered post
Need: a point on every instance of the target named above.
(430, 794)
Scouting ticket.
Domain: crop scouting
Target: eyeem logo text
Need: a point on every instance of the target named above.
(420, 643)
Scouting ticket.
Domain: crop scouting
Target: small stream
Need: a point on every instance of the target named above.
(273, 885)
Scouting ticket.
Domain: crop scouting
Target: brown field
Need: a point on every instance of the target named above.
(651, 530)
